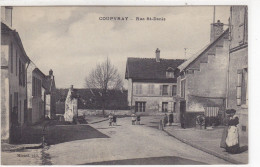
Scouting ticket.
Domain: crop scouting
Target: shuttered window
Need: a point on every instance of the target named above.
(239, 86)
(183, 88)
(174, 90)
(138, 89)
(165, 90)
(11, 55)
(151, 89)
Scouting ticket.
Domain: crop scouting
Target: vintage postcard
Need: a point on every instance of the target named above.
(124, 85)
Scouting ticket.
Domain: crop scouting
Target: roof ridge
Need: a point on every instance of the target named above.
(153, 58)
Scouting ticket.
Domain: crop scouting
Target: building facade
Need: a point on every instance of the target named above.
(50, 95)
(237, 96)
(202, 79)
(36, 93)
(14, 62)
(152, 84)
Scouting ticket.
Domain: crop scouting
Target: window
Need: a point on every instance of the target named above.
(243, 25)
(11, 55)
(244, 94)
(165, 90)
(140, 106)
(239, 87)
(169, 74)
(138, 89)
(174, 90)
(151, 89)
(183, 88)
(33, 86)
(164, 106)
(20, 72)
(16, 64)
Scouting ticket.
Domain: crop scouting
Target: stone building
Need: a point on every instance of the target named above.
(237, 96)
(202, 79)
(14, 63)
(36, 93)
(152, 84)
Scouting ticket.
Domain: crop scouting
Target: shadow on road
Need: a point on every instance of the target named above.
(168, 160)
(60, 134)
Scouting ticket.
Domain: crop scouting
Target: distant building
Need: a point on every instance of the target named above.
(152, 84)
(50, 95)
(237, 94)
(202, 79)
(14, 62)
(36, 93)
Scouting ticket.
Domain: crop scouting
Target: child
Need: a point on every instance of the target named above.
(110, 117)
(114, 120)
(133, 119)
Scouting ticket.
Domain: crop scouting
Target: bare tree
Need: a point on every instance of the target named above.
(104, 77)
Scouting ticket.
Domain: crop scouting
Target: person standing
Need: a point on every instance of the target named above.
(165, 120)
(232, 140)
(110, 118)
(133, 119)
(114, 120)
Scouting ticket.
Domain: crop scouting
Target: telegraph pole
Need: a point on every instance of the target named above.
(185, 49)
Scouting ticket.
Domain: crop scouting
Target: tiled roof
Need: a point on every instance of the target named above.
(206, 48)
(148, 68)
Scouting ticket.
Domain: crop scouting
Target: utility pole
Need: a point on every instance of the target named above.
(185, 49)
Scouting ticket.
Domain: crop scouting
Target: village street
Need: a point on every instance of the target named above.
(121, 144)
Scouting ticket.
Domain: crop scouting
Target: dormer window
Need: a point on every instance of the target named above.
(170, 73)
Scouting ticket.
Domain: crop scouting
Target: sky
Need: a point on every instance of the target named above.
(73, 40)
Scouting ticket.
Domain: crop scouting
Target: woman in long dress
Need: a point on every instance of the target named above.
(232, 140)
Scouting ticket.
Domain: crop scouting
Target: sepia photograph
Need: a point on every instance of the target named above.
(124, 85)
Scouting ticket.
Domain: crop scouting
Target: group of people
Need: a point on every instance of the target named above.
(112, 119)
(136, 119)
(230, 136)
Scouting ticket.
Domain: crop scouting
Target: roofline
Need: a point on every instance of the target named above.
(18, 39)
(205, 50)
(40, 72)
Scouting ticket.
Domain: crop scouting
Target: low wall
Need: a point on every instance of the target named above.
(100, 112)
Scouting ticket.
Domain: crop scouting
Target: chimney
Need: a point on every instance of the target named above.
(157, 54)
(216, 30)
(71, 87)
(6, 13)
(50, 72)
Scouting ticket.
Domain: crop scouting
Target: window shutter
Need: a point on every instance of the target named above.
(161, 89)
(239, 87)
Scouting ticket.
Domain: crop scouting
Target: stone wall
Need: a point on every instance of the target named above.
(107, 112)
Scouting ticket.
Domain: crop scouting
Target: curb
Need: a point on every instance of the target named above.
(205, 150)
(21, 148)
